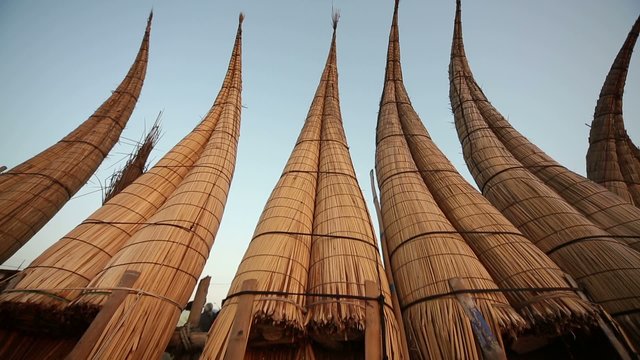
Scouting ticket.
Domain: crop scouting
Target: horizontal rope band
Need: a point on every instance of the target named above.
(485, 291)
(443, 232)
(375, 246)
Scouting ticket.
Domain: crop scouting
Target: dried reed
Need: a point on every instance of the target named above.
(422, 241)
(135, 166)
(511, 259)
(323, 250)
(57, 275)
(33, 192)
(608, 269)
(171, 249)
(613, 160)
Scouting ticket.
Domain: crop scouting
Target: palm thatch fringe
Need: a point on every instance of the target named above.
(608, 269)
(33, 192)
(613, 161)
(135, 166)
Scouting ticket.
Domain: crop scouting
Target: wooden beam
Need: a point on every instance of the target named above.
(491, 349)
(620, 343)
(88, 340)
(372, 330)
(241, 327)
(387, 269)
(198, 302)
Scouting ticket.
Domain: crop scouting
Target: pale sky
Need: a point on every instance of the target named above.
(541, 63)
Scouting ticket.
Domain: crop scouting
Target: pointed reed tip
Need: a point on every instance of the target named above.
(335, 17)
(150, 15)
(240, 18)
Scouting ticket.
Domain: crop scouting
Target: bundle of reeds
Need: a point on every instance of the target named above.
(313, 250)
(511, 259)
(171, 249)
(57, 276)
(135, 166)
(608, 269)
(425, 250)
(33, 192)
(613, 161)
(608, 211)
(344, 251)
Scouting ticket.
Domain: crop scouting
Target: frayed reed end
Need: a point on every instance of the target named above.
(241, 18)
(335, 17)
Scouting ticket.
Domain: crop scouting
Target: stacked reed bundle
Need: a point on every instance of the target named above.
(33, 192)
(312, 251)
(135, 166)
(613, 161)
(511, 259)
(608, 269)
(171, 249)
(60, 272)
(344, 252)
(608, 211)
(425, 250)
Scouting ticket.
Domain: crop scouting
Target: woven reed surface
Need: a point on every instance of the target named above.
(612, 158)
(421, 240)
(135, 166)
(75, 259)
(608, 269)
(314, 236)
(170, 251)
(602, 207)
(33, 192)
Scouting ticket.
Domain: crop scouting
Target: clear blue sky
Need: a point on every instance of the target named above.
(541, 63)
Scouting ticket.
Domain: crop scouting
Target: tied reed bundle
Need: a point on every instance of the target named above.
(136, 165)
(425, 250)
(608, 269)
(605, 209)
(33, 192)
(60, 272)
(313, 246)
(344, 252)
(171, 249)
(613, 160)
(511, 259)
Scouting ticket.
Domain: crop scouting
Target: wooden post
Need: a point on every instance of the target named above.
(198, 302)
(395, 302)
(372, 330)
(241, 327)
(88, 340)
(491, 349)
(618, 345)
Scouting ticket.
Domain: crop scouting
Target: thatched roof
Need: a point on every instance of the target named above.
(422, 240)
(135, 166)
(33, 192)
(608, 269)
(314, 238)
(613, 160)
